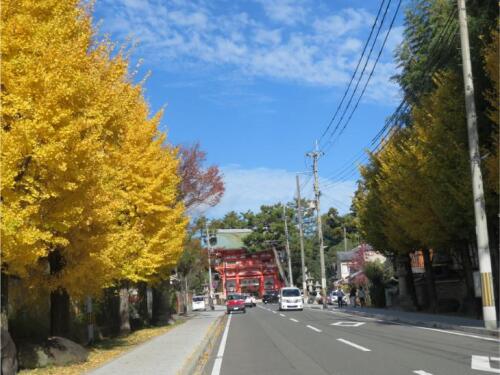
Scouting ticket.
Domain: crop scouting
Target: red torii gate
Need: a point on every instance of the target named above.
(243, 272)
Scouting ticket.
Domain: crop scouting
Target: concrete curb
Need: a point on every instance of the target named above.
(428, 324)
(192, 362)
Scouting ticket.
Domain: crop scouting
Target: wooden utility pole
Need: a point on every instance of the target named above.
(483, 247)
(301, 238)
(315, 155)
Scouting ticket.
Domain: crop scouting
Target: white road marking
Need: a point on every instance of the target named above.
(459, 334)
(421, 372)
(294, 320)
(283, 315)
(314, 328)
(274, 312)
(354, 345)
(414, 326)
(347, 324)
(222, 347)
(482, 363)
(411, 325)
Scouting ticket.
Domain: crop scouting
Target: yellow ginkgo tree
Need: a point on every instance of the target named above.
(89, 185)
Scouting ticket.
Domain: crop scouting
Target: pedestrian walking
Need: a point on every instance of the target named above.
(340, 297)
(352, 296)
(362, 296)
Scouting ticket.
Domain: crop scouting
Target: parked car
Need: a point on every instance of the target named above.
(290, 299)
(235, 302)
(198, 303)
(270, 297)
(250, 300)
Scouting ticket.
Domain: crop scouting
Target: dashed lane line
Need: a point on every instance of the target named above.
(421, 372)
(294, 320)
(362, 348)
(450, 332)
(313, 328)
(283, 315)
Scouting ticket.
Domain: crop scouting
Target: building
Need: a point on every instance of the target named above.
(240, 271)
(348, 262)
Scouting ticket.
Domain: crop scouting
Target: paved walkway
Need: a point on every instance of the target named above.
(419, 318)
(166, 354)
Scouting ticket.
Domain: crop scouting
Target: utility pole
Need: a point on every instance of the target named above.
(301, 237)
(90, 320)
(209, 251)
(483, 247)
(288, 248)
(315, 155)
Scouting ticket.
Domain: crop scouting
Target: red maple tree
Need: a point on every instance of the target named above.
(358, 263)
(200, 185)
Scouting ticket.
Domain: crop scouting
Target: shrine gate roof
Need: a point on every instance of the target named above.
(231, 238)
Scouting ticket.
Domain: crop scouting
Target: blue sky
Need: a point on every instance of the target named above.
(256, 82)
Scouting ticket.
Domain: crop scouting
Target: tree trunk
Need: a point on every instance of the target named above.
(162, 311)
(59, 313)
(5, 300)
(59, 299)
(467, 266)
(412, 291)
(143, 304)
(429, 280)
(124, 309)
(407, 296)
(470, 305)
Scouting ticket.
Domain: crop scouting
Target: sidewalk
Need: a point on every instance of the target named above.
(417, 318)
(172, 353)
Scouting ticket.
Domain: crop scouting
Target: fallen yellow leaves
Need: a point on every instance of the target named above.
(105, 351)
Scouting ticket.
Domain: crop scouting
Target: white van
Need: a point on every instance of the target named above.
(199, 303)
(290, 299)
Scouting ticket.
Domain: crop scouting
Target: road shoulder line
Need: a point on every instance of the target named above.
(220, 353)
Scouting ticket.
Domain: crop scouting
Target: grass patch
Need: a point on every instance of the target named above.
(104, 351)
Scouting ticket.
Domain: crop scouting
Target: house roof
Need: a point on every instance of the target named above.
(346, 256)
(231, 238)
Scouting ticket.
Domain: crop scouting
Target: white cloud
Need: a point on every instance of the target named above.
(248, 189)
(287, 12)
(345, 21)
(320, 52)
(266, 37)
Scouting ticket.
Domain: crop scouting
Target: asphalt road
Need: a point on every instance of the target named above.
(266, 341)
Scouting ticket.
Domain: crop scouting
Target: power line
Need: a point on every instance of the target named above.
(355, 71)
(389, 123)
(370, 76)
(446, 35)
(360, 76)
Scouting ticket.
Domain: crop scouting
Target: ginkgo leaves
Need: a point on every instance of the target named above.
(84, 167)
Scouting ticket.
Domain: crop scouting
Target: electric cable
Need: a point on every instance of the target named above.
(355, 71)
(360, 76)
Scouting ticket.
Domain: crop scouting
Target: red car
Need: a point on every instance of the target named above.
(235, 302)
